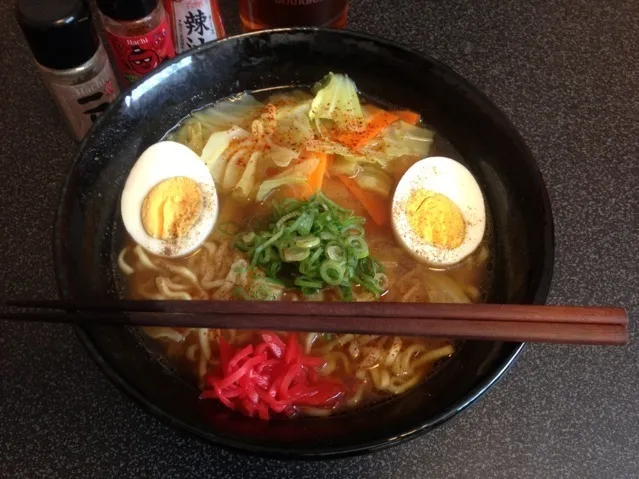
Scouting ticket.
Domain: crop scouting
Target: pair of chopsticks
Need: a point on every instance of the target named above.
(497, 322)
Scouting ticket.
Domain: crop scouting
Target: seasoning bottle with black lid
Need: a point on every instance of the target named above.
(139, 34)
(70, 58)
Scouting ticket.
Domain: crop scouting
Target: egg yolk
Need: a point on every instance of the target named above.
(172, 207)
(435, 219)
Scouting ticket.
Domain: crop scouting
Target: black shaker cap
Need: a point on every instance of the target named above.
(127, 10)
(59, 33)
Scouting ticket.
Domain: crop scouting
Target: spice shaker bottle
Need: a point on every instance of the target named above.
(139, 34)
(70, 58)
(194, 22)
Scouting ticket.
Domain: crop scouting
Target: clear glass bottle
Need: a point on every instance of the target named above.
(70, 58)
(260, 14)
(139, 34)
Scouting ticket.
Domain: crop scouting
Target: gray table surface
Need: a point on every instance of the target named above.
(566, 73)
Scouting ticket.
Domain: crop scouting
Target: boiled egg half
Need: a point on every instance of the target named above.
(169, 203)
(438, 212)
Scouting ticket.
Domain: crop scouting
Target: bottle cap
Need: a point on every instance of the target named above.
(127, 10)
(60, 34)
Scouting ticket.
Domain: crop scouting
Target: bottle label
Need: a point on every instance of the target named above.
(194, 24)
(138, 55)
(84, 103)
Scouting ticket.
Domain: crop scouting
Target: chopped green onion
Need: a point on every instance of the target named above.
(332, 272)
(273, 269)
(315, 256)
(295, 253)
(369, 266)
(304, 224)
(240, 293)
(326, 236)
(347, 293)
(310, 265)
(354, 230)
(359, 246)
(248, 237)
(381, 280)
(335, 252)
(285, 218)
(312, 245)
(307, 241)
(265, 289)
(308, 283)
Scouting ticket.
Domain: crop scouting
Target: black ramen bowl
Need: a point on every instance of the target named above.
(89, 232)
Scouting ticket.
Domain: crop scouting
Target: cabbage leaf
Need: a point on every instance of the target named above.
(213, 152)
(294, 175)
(397, 140)
(373, 178)
(247, 182)
(338, 101)
(238, 111)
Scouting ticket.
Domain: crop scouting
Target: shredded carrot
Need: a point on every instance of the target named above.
(375, 205)
(408, 116)
(298, 191)
(317, 177)
(357, 139)
(329, 163)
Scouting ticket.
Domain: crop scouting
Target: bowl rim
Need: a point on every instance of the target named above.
(540, 294)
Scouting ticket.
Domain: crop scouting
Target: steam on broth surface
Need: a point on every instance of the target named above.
(305, 185)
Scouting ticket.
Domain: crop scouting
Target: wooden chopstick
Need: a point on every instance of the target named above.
(570, 333)
(493, 312)
(554, 324)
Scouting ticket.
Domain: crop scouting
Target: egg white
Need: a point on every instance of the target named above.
(450, 178)
(159, 162)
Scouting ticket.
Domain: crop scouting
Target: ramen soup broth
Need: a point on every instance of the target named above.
(352, 370)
